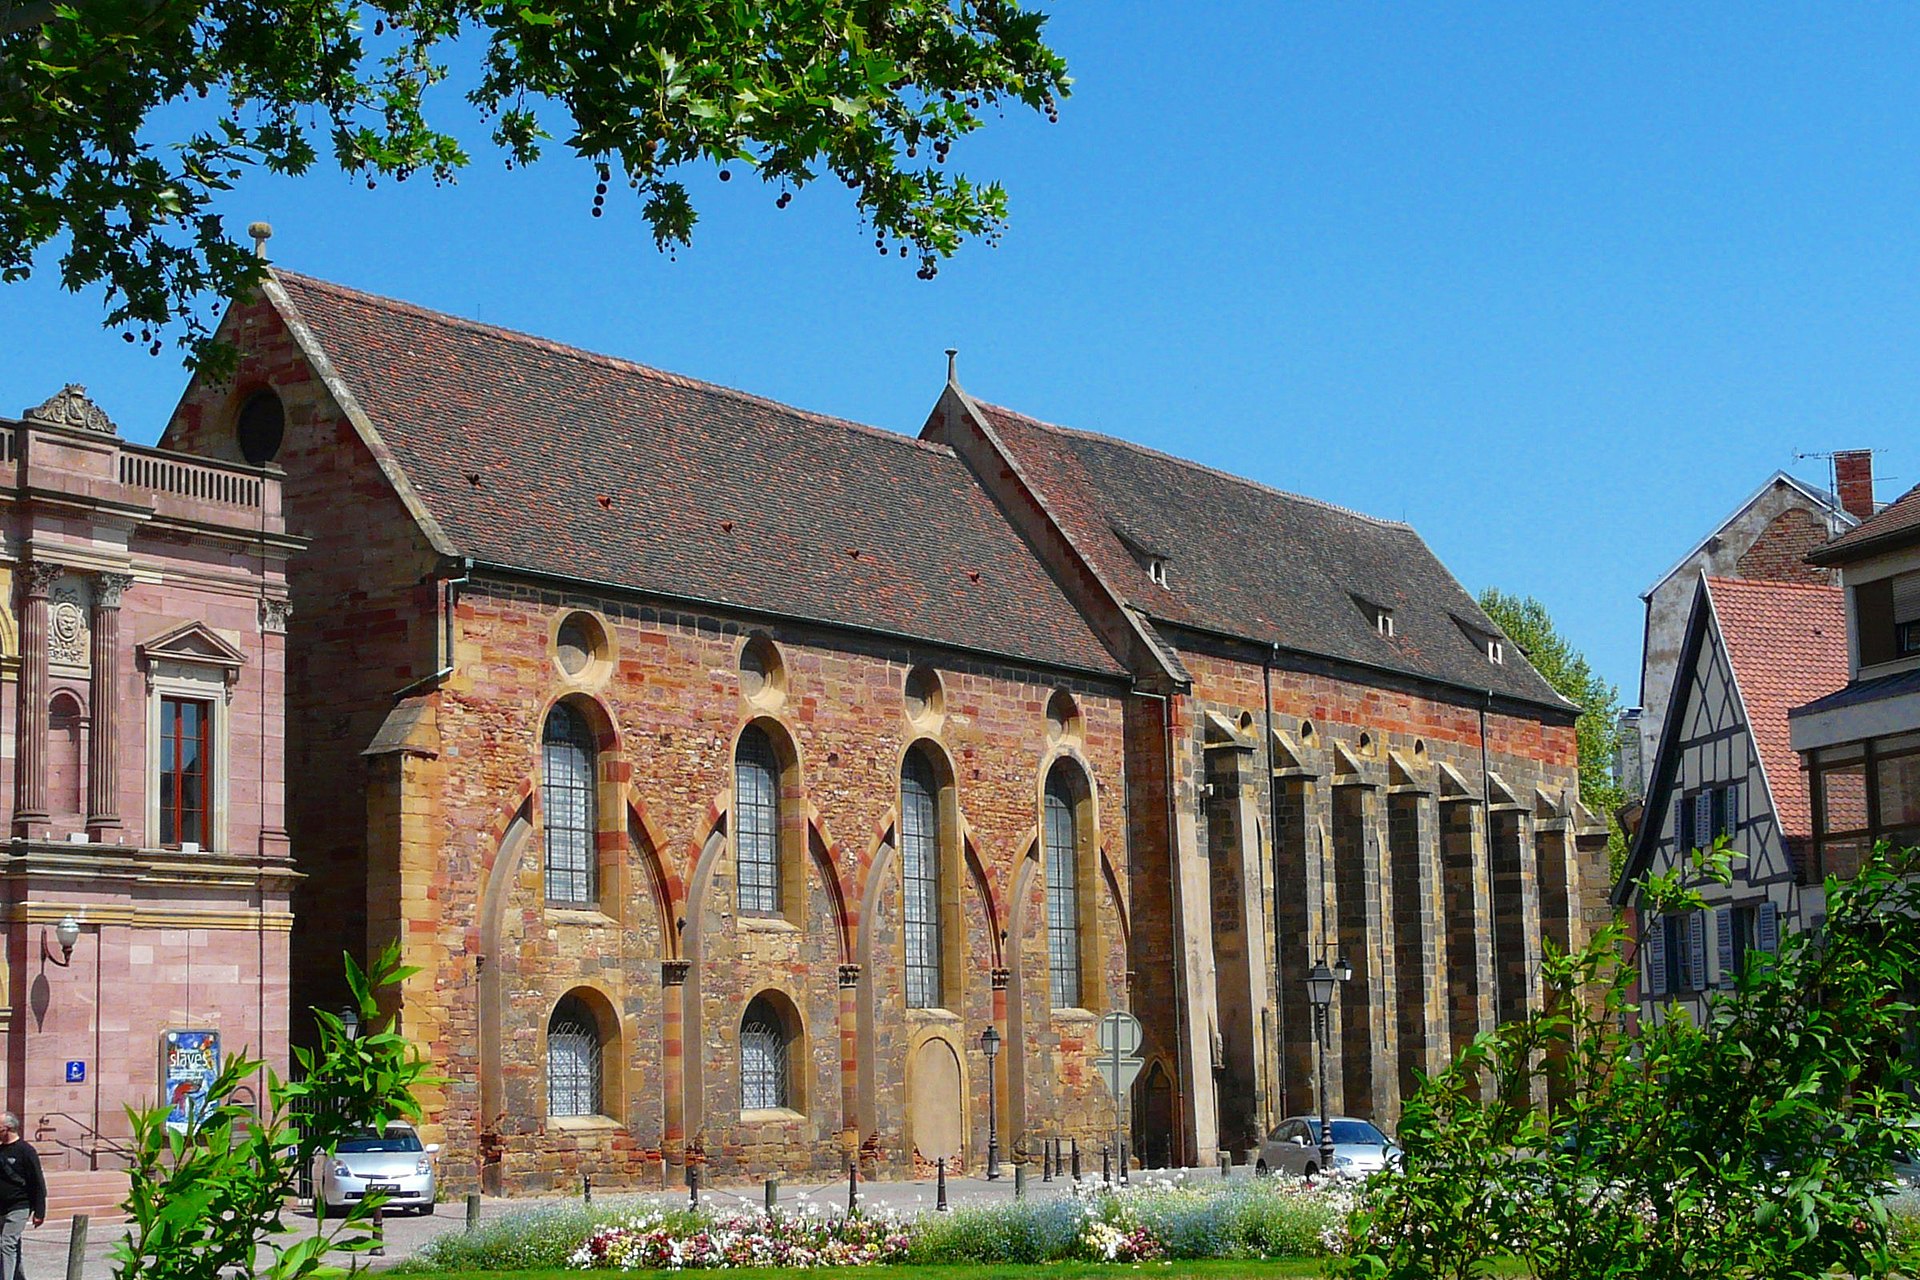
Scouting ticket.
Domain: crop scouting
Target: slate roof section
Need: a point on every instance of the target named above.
(1250, 561)
(1896, 524)
(558, 461)
(1788, 645)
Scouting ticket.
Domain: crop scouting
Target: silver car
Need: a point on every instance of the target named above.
(1294, 1147)
(370, 1161)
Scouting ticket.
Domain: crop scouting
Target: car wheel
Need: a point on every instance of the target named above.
(1312, 1169)
(1260, 1169)
(426, 1210)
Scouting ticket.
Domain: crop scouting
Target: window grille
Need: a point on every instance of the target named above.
(756, 832)
(764, 1077)
(1063, 896)
(920, 864)
(568, 807)
(573, 1061)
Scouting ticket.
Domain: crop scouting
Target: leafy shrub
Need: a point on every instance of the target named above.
(1756, 1143)
(1018, 1232)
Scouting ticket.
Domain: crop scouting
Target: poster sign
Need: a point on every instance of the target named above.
(189, 1064)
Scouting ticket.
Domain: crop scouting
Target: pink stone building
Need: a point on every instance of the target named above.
(142, 678)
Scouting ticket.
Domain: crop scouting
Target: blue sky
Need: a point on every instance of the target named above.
(1558, 285)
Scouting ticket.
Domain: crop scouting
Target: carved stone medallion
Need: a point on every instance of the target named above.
(69, 407)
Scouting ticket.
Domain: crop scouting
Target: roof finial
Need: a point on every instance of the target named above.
(953, 354)
(261, 233)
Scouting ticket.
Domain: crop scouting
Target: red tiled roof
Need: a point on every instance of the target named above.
(550, 459)
(1898, 522)
(1788, 645)
(1247, 560)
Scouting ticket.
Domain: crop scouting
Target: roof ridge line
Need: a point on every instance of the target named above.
(602, 358)
(1201, 467)
(1772, 584)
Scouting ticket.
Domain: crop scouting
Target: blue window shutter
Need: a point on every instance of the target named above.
(1717, 811)
(1682, 826)
(1657, 957)
(1766, 928)
(1723, 925)
(1696, 950)
(1703, 820)
(1733, 807)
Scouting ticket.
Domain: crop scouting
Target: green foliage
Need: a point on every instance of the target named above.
(208, 1202)
(1597, 733)
(1758, 1143)
(872, 94)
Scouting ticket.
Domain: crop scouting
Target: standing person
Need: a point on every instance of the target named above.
(23, 1194)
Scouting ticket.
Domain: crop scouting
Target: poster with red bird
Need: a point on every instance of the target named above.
(189, 1064)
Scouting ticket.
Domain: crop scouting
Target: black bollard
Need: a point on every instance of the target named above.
(1019, 1182)
(773, 1194)
(1226, 1164)
(473, 1212)
(586, 1187)
(1076, 1159)
(379, 1249)
(1046, 1160)
(1106, 1163)
(940, 1199)
(853, 1186)
(693, 1186)
(1126, 1160)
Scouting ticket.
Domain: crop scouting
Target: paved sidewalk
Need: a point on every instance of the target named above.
(46, 1247)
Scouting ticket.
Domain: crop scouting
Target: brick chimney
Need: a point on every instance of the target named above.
(1853, 477)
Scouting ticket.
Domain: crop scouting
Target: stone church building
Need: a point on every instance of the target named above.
(728, 769)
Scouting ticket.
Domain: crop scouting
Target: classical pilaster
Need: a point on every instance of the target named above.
(30, 761)
(103, 756)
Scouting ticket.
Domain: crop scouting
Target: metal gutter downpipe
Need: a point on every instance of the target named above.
(448, 598)
(1278, 1093)
(1486, 841)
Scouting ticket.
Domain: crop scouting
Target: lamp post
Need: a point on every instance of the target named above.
(1320, 984)
(350, 1021)
(990, 1041)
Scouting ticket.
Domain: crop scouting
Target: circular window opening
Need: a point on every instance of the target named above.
(925, 699)
(763, 675)
(1063, 716)
(261, 426)
(578, 643)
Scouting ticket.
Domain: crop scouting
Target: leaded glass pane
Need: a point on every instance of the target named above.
(573, 1061)
(567, 805)
(920, 863)
(1063, 897)
(763, 1058)
(756, 838)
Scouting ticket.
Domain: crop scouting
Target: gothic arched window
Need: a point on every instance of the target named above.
(756, 818)
(766, 1080)
(920, 866)
(573, 1060)
(567, 777)
(1062, 838)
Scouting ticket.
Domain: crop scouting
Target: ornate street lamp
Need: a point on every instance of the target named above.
(1320, 983)
(350, 1021)
(66, 933)
(990, 1042)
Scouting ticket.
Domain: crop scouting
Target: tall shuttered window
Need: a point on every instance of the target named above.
(568, 807)
(756, 837)
(573, 1060)
(186, 766)
(1063, 894)
(920, 866)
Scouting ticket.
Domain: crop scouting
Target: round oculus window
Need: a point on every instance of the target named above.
(260, 428)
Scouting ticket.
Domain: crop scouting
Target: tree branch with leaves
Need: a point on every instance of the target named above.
(870, 93)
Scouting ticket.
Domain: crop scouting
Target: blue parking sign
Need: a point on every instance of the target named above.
(76, 1072)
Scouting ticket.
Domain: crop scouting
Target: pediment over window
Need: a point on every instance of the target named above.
(1289, 757)
(192, 644)
(1221, 732)
(1405, 775)
(1350, 770)
(1499, 794)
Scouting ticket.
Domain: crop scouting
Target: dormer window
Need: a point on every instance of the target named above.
(1496, 652)
(1378, 616)
(1886, 618)
(1383, 622)
(1143, 553)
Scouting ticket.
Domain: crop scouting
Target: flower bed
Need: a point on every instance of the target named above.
(1158, 1218)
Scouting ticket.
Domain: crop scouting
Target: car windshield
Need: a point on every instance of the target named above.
(1357, 1132)
(367, 1142)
